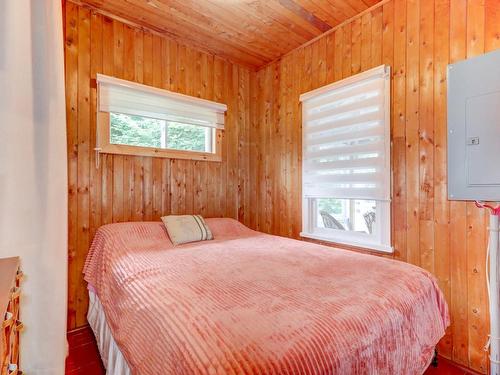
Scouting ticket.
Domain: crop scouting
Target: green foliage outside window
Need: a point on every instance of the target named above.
(186, 137)
(135, 130)
(147, 132)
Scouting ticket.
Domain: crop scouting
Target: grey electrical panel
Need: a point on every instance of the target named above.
(474, 128)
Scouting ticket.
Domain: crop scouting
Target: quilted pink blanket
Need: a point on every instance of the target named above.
(251, 303)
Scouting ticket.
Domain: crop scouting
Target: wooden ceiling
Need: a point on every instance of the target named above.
(248, 32)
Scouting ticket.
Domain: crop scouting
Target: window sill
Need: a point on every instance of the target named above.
(369, 246)
(158, 152)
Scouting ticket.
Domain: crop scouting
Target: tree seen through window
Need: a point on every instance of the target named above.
(147, 132)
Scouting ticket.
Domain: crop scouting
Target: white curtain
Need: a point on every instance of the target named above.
(33, 184)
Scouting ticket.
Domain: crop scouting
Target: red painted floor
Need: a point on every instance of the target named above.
(84, 358)
(446, 367)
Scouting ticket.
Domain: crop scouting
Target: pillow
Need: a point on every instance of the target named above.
(186, 228)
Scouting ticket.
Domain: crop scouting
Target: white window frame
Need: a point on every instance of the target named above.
(380, 239)
(373, 241)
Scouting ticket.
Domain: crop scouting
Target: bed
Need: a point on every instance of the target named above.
(252, 303)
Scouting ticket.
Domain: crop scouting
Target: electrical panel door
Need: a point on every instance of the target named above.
(474, 128)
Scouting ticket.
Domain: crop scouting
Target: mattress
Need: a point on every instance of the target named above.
(252, 303)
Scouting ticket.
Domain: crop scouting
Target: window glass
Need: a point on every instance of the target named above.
(135, 130)
(147, 132)
(346, 214)
(188, 137)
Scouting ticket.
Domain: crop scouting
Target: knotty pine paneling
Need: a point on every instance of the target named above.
(251, 33)
(418, 38)
(127, 188)
(259, 179)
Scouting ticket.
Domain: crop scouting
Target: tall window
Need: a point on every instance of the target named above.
(346, 161)
(135, 119)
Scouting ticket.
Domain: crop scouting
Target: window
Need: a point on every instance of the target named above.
(134, 119)
(147, 132)
(346, 161)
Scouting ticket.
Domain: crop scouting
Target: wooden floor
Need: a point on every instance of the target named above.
(84, 358)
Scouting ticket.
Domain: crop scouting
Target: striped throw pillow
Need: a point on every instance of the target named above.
(186, 228)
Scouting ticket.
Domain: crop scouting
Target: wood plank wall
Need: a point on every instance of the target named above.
(418, 38)
(258, 181)
(126, 188)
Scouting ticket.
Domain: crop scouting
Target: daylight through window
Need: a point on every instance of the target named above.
(147, 132)
(346, 161)
(135, 119)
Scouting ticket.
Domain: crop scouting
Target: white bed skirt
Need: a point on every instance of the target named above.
(111, 356)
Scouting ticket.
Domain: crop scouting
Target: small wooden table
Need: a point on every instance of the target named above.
(10, 277)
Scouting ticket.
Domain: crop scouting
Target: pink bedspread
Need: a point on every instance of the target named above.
(251, 303)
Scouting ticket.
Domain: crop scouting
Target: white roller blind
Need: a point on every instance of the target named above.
(346, 138)
(120, 96)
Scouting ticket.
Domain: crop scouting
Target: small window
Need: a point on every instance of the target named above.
(159, 134)
(135, 119)
(346, 161)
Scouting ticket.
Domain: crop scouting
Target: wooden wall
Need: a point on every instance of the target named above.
(259, 180)
(417, 38)
(126, 188)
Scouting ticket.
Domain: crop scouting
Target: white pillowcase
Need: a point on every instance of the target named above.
(186, 228)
